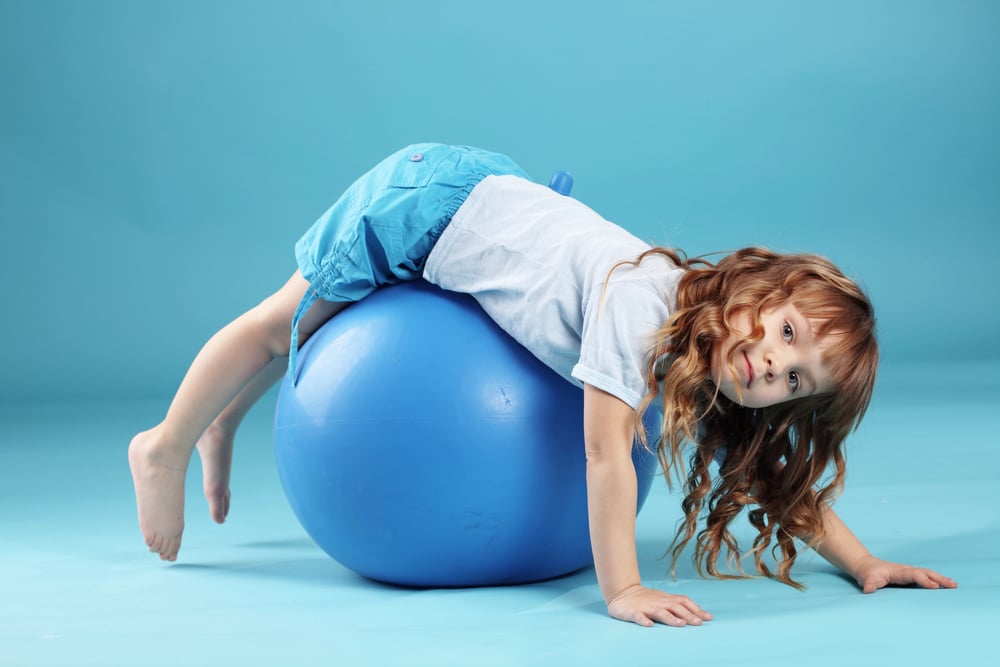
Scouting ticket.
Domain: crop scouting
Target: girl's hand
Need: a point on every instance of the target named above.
(646, 606)
(875, 573)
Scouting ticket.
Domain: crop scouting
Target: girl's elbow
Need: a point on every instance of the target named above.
(603, 454)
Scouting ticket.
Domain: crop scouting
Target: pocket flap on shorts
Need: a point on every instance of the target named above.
(417, 166)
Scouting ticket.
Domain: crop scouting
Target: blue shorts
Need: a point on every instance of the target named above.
(383, 227)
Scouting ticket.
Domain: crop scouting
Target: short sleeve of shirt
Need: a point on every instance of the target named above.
(620, 328)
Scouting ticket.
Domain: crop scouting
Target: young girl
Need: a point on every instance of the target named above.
(765, 362)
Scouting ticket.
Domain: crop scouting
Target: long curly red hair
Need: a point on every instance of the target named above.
(783, 462)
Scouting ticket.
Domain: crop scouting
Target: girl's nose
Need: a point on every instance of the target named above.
(775, 364)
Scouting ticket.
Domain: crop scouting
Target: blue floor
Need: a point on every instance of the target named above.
(77, 588)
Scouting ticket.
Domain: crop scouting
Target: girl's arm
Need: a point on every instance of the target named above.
(843, 550)
(611, 503)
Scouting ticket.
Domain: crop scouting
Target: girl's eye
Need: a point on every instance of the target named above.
(787, 332)
(793, 380)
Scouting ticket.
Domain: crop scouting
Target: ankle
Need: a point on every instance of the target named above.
(160, 449)
(227, 423)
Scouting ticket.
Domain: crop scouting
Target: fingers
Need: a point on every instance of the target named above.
(907, 576)
(664, 617)
(873, 580)
(648, 607)
(943, 581)
(690, 612)
(679, 616)
(643, 620)
(921, 579)
(931, 579)
(872, 584)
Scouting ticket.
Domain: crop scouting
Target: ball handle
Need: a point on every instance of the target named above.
(561, 182)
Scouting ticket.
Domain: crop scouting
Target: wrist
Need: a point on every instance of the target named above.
(622, 592)
(849, 563)
(860, 564)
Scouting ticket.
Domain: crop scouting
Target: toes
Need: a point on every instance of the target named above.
(166, 548)
(218, 505)
(169, 550)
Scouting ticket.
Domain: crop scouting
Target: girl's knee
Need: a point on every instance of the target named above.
(272, 327)
(272, 318)
(318, 315)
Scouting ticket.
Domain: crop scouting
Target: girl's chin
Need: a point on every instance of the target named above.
(729, 391)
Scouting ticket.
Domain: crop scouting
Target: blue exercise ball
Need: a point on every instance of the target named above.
(420, 445)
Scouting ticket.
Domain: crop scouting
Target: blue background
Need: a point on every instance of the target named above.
(159, 160)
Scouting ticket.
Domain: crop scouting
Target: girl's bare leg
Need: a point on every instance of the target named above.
(215, 446)
(226, 365)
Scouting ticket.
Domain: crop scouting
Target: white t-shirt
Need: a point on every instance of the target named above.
(537, 262)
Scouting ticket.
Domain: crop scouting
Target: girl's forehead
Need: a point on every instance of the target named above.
(786, 307)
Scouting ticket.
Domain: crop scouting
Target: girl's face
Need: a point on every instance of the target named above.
(784, 365)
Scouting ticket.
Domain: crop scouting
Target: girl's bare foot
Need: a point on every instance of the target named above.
(158, 473)
(215, 446)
